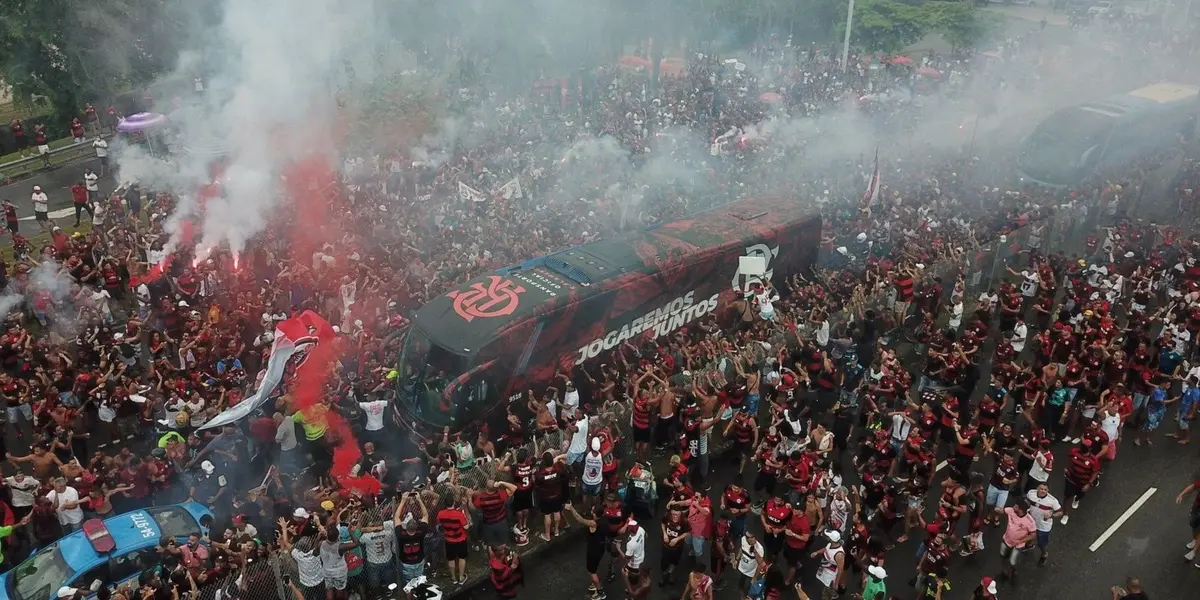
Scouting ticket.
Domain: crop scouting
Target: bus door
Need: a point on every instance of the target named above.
(471, 394)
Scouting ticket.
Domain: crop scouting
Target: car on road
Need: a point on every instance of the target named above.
(115, 550)
(1101, 8)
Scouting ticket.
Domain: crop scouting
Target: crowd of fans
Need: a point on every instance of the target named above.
(116, 355)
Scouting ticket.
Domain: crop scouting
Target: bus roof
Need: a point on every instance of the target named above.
(1163, 93)
(1151, 97)
(468, 318)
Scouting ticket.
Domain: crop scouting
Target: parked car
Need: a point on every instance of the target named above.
(115, 550)
(1101, 8)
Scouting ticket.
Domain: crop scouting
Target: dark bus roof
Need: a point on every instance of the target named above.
(1149, 98)
(465, 320)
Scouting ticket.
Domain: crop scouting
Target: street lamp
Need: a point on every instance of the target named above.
(846, 38)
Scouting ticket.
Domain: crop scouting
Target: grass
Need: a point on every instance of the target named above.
(32, 151)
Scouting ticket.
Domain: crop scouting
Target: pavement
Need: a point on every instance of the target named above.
(56, 183)
(1148, 544)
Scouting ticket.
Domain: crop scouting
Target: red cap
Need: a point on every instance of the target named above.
(988, 584)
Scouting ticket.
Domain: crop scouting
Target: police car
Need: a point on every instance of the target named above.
(114, 550)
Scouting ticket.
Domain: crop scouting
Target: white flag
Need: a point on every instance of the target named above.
(466, 192)
(293, 339)
(511, 190)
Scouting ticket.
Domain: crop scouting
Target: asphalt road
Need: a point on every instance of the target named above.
(56, 183)
(1149, 544)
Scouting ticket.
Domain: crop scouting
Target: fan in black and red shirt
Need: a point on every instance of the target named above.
(775, 517)
(735, 503)
(522, 474)
(1082, 468)
(550, 482)
(410, 537)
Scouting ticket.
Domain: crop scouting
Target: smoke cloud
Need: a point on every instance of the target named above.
(448, 85)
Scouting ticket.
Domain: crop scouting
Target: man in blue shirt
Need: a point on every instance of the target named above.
(1188, 402)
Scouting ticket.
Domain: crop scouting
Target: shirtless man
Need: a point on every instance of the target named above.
(668, 419)
(44, 462)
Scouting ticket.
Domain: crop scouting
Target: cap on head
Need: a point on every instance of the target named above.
(988, 584)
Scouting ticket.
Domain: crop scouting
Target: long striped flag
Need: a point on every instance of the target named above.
(872, 192)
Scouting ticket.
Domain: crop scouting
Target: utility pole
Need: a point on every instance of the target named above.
(846, 39)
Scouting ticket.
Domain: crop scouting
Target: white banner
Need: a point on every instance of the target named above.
(293, 336)
(511, 190)
(466, 192)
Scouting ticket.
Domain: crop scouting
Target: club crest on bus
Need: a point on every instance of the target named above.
(744, 282)
(497, 297)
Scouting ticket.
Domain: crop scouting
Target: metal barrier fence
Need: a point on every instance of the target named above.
(59, 156)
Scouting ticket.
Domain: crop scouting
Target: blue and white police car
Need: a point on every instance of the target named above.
(112, 551)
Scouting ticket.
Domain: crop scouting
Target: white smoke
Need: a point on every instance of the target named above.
(275, 67)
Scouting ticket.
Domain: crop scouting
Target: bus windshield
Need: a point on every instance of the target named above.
(1055, 153)
(425, 370)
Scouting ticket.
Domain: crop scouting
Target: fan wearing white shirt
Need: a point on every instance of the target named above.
(634, 550)
(66, 502)
(374, 411)
(1020, 334)
(1044, 508)
(101, 148)
(92, 182)
(41, 208)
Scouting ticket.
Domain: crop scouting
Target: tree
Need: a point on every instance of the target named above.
(887, 25)
(890, 26)
(959, 23)
(74, 52)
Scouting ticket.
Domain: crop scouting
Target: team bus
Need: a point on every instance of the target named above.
(1077, 141)
(475, 348)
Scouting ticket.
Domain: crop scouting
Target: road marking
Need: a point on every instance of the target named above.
(942, 465)
(1121, 520)
(54, 214)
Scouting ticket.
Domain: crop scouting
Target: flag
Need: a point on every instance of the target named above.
(466, 192)
(511, 190)
(294, 338)
(872, 192)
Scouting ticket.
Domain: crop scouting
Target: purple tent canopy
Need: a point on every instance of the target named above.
(141, 122)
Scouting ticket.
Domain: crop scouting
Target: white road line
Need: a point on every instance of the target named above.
(54, 214)
(942, 465)
(1121, 521)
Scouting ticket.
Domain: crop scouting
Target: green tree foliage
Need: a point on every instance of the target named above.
(64, 53)
(890, 25)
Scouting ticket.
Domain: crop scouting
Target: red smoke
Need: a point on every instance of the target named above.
(308, 390)
(310, 188)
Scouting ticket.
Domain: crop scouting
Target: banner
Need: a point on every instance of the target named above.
(466, 192)
(294, 338)
(511, 190)
(872, 193)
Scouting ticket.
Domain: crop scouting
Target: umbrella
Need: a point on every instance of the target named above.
(771, 98)
(901, 60)
(929, 72)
